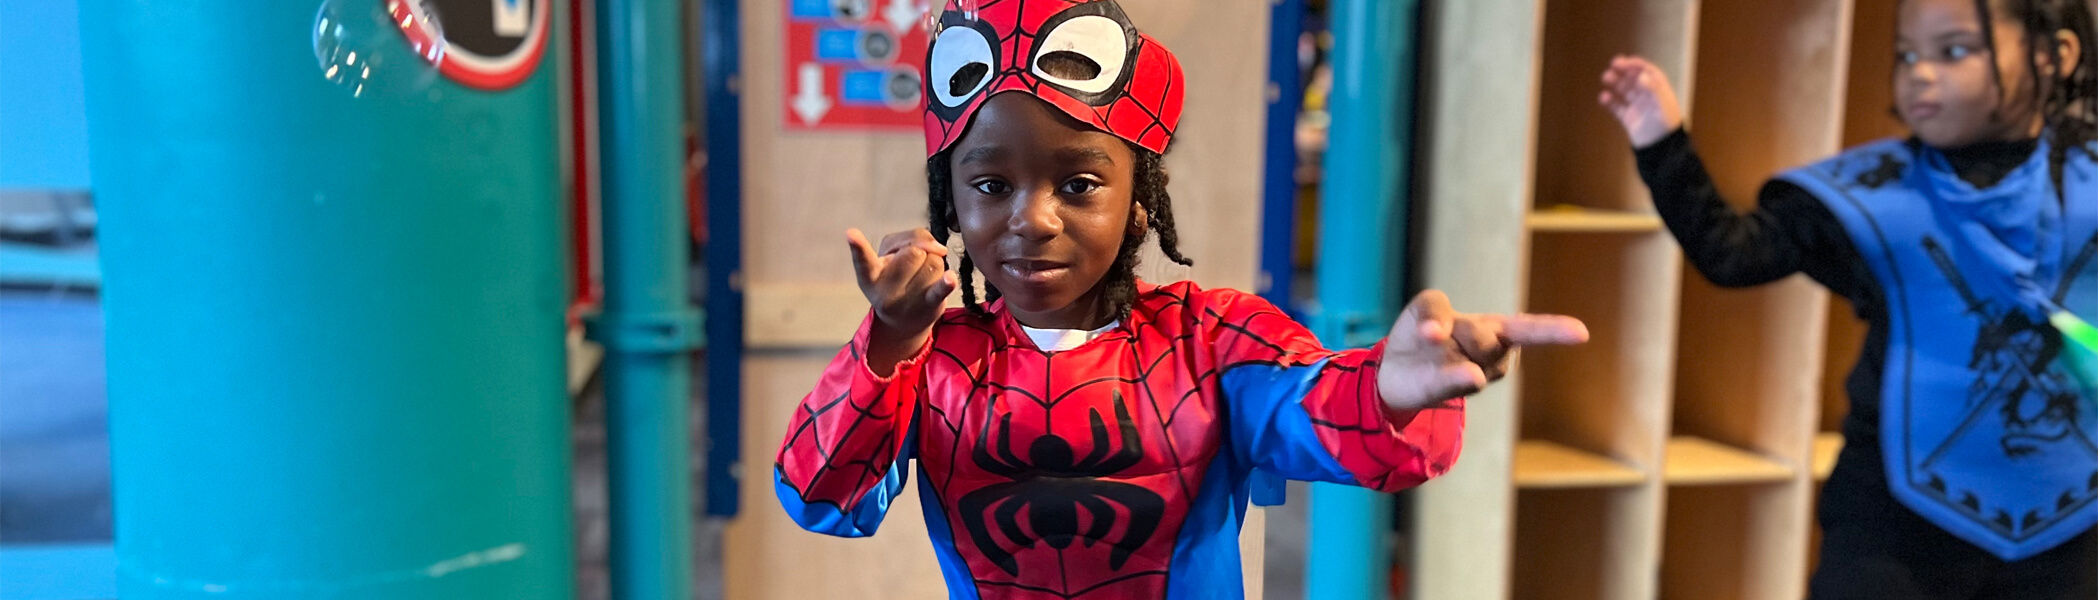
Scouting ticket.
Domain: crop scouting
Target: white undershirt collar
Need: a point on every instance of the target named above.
(1059, 340)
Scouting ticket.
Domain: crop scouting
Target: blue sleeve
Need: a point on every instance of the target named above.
(1270, 429)
(866, 515)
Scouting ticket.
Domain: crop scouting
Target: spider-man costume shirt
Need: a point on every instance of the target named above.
(1117, 469)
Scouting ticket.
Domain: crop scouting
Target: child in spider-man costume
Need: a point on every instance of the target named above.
(1080, 432)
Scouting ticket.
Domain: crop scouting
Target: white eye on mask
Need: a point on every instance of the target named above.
(960, 66)
(1086, 54)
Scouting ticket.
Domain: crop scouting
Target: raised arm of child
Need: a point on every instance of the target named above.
(1789, 231)
(842, 462)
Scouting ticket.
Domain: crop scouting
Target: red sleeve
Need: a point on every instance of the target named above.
(841, 462)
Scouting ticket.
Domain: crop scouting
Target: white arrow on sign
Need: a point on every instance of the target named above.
(903, 15)
(810, 102)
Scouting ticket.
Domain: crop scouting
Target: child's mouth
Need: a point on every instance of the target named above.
(1923, 110)
(1035, 272)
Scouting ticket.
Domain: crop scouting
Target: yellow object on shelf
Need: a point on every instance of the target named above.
(1698, 461)
(1545, 465)
(1575, 219)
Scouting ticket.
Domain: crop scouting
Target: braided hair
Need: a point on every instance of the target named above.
(1120, 294)
(2069, 103)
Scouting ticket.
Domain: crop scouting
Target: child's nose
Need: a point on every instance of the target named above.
(1034, 216)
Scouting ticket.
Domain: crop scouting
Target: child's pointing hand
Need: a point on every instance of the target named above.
(1435, 353)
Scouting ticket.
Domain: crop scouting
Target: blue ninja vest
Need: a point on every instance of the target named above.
(1984, 430)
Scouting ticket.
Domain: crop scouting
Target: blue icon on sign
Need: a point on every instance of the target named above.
(848, 11)
(812, 9)
(896, 88)
(838, 45)
(863, 87)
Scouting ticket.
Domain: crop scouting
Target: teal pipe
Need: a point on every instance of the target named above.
(334, 313)
(648, 326)
(1362, 242)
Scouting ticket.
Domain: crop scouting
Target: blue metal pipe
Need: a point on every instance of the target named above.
(1278, 202)
(1362, 259)
(648, 328)
(719, 53)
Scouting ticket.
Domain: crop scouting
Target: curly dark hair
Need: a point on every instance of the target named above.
(2068, 103)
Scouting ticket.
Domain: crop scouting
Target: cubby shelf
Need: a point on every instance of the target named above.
(1545, 465)
(1698, 461)
(1676, 455)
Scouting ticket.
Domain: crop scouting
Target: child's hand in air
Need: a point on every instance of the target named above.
(1639, 95)
(907, 283)
(1435, 353)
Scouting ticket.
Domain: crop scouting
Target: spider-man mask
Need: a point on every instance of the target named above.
(1082, 56)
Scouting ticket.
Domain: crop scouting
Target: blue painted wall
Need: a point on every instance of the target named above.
(43, 123)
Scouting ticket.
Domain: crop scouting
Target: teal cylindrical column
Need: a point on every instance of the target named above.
(334, 309)
(648, 325)
(1361, 281)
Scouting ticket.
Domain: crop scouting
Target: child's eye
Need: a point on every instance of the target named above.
(1907, 58)
(992, 187)
(1958, 52)
(1080, 186)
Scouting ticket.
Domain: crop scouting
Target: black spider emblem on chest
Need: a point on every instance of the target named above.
(1056, 488)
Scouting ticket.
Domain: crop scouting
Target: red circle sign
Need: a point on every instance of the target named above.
(488, 44)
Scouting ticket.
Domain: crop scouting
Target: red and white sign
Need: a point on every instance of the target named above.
(855, 64)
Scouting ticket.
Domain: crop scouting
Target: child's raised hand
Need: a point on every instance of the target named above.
(1435, 353)
(907, 283)
(1639, 95)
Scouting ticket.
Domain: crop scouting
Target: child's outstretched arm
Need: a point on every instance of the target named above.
(1387, 417)
(841, 463)
(1789, 232)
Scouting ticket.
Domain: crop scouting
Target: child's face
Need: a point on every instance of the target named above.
(1943, 84)
(1044, 203)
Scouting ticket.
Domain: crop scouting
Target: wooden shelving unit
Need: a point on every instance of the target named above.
(1679, 454)
(1580, 543)
(1699, 461)
(1543, 465)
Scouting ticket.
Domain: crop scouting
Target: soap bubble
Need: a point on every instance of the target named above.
(378, 46)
